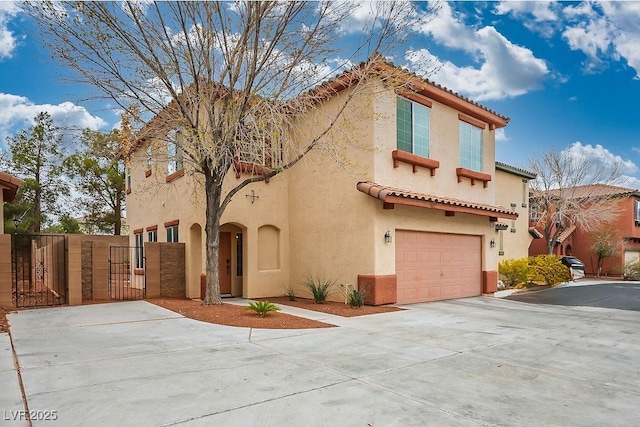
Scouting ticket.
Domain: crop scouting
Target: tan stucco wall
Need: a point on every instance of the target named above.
(509, 193)
(332, 224)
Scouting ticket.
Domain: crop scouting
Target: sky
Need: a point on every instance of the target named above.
(566, 73)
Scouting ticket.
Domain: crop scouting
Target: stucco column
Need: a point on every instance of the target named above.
(6, 281)
(74, 270)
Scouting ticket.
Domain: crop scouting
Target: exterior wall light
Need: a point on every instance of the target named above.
(387, 237)
(492, 243)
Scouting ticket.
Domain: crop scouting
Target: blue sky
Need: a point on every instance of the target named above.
(566, 73)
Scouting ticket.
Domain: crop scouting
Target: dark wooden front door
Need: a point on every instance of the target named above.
(224, 262)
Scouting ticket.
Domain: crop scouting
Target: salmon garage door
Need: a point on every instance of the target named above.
(437, 266)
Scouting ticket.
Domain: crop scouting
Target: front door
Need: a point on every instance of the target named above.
(224, 262)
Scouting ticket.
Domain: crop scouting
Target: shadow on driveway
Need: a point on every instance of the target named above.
(618, 295)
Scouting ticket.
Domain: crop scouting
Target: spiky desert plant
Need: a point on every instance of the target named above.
(262, 307)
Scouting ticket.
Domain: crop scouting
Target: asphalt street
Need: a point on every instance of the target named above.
(618, 295)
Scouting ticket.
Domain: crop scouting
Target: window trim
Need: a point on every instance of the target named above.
(472, 126)
(417, 100)
(172, 225)
(175, 158)
(139, 249)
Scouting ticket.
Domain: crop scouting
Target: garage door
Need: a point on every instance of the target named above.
(437, 266)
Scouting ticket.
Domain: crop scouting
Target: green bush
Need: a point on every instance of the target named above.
(632, 270)
(290, 292)
(513, 272)
(320, 288)
(352, 296)
(548, 269)
(262, 307)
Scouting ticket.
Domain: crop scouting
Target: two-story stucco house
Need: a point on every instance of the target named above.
(410, 212)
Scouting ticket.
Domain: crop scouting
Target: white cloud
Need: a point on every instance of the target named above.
(602, 156)
(537, 16)
(605, 31)
(17, 112)
(8, 40)
(506, 69)
(501, 135)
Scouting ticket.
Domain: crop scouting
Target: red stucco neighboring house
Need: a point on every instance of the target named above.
(578, 242)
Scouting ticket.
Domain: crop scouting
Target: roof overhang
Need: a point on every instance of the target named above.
(565, 233)
(392, 196)
(535, 233)
(9, 185)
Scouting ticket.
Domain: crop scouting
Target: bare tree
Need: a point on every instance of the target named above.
(565, 193)
(228, 81)
(606, 243)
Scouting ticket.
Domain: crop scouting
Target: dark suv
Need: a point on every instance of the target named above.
(575, 265)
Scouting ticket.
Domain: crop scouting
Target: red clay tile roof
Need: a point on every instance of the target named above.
(414, 81)
(514, 170)
(9, 184)
(565, 233)
(406, 197)
(597, 190)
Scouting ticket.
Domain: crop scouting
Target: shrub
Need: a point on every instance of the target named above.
(262, 307)
(632, 270)
(548, 269)
(352, 296)
(319, 288)
(513, 271)
(290, 292)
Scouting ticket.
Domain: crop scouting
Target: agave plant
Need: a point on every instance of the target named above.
(262, 307)
(319, 288)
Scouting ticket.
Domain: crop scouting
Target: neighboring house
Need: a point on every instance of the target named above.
(8, 188)
(512, 190)
(578, 242)
(411, 215)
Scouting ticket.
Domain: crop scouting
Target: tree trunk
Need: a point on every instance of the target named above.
(117, 226)
(213, 188)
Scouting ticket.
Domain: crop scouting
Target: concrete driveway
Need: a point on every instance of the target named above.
(475, 361)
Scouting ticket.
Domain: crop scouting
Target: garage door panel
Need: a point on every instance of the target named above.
(435, 266)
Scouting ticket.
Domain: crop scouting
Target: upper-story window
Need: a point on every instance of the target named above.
(174, 152)
(636, 212)
(470, 146)
(128, 179)
(152, 235)
(149, 154)
(413, 127)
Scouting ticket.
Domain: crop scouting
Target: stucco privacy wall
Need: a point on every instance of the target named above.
(331, 223)
(5, 271)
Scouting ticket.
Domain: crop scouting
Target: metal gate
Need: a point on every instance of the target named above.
(126, 273)
(39, 264)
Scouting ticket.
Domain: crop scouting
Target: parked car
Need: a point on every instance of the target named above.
(575, 266)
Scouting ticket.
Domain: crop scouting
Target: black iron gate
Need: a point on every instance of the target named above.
(39, 268)
(126, 273)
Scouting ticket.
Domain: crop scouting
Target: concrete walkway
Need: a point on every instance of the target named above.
(475, 361)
